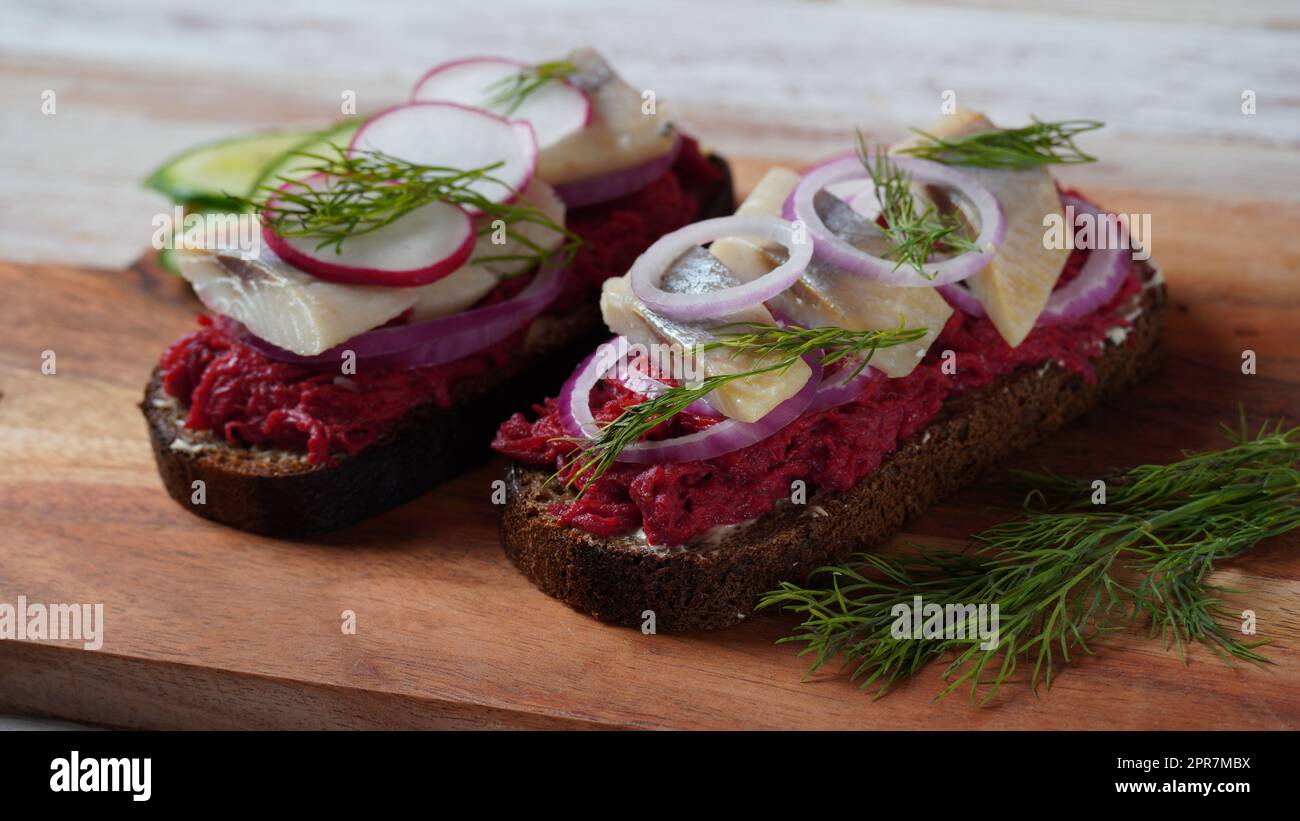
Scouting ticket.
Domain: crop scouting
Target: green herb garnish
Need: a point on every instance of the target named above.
(1065, 572)
(788, 344)
(833, 343)
(916, 233)
(1029, 147)
(507, 94)
(371, 189)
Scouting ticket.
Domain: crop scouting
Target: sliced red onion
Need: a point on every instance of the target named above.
(844, 255)
(643, 383)
(841, 386)
(962, 298)
(648, 270)
(618, 183)
(1103, 273)
(724, 437)
(575, 396)
(439, 340)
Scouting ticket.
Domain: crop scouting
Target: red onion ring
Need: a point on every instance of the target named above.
(844, 255)
(618, 183)
(1102, 275)
(575, 396)
(649, 268)
(962, 298)
(439, 340)
(724, 437)
(836, 390)
(646, 385)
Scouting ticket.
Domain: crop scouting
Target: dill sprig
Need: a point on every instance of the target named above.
(596, 455)
(916, 233)
(1043, 143)
(1065, 572)
(786, 344)
(368, 190)
(507, 94)
(833, 343)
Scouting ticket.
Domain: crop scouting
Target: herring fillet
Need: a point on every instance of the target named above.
(289, 308)
(620, 135)
(697, 271)
(307, 315)
(825, 295)
(1016, 284)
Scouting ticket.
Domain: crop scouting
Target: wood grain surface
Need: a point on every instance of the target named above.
(138, 80)
(209, 627)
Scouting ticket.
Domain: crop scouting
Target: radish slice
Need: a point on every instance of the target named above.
(415, 249)
(449, 135)
(556, 109)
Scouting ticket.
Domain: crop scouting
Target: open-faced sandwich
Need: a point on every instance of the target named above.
(418, 274)
(855, 343)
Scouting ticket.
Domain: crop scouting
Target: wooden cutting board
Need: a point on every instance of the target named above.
(212, 628)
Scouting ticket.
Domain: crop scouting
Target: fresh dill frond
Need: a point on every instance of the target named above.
(916, 233)
(1066, 572)
(368, 190)
(595, 456)
(832, 342)
(506, 95)
(786, 345)
(1043, 143)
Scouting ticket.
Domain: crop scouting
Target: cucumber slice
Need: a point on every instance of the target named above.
(290, 163)
(167, 259)
(207, 174)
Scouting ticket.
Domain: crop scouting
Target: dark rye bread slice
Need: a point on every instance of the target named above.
(277, 493)
(717, 584)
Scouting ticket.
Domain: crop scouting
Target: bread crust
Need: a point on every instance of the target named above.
(277, 493)
(706, 588)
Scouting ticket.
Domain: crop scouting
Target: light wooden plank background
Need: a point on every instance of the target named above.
(138, 79)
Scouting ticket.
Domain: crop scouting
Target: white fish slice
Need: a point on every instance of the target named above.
(825, 295)
(697, 271)
(299, 312)
(620, 135)
(285, 306)
(1017, 282)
